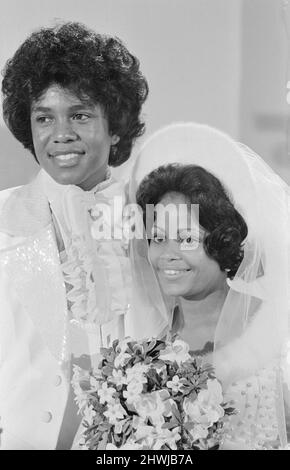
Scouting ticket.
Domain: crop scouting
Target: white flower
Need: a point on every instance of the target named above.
(89, 415)
(123, 345)
(168, 437)
(154, 437)
(214, 391)
(198, 432)
(137, 373)
(153, 405)
(177, 351)
(94, 383)
(135, 380)
(80, 395)
(205, 409)
(121, 359)
(106, 393)
(81, 444)
(84, 447)
(122, 355)
(134, 389)
(114, 413)
(144, 431)
(129, 445)
(175, 384)
(118, 377)
(119, 426)
(79, 375)
(111, 446)
(160, 369)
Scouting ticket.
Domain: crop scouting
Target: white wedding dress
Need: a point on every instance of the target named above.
(252, 333)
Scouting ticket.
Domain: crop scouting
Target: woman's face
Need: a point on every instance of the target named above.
(182, 265)
(71, 138)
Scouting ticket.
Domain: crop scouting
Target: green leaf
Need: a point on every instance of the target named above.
(230, 411)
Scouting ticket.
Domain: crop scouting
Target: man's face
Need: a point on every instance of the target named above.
(71, 138)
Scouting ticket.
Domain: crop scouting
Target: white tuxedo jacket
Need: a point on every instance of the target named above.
(34, 386)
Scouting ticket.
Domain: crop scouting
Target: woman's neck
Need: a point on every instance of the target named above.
(197, 320)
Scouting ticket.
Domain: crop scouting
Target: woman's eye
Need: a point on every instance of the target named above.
(157, 236)
(190, 242)
(158, 239)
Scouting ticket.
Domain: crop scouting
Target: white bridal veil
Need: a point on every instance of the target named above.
(252, 331)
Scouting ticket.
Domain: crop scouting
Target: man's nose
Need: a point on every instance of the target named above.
(64, 132)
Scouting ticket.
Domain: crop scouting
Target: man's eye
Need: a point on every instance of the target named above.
(80, 117)
(43, 119)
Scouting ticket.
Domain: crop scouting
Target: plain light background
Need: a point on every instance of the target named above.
(219, 62)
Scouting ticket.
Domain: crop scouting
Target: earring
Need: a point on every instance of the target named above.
(113, 150)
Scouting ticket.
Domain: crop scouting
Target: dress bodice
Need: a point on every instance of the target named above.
(255, 398)
(255, 425)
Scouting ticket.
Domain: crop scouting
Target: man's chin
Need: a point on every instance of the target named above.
(66, 177)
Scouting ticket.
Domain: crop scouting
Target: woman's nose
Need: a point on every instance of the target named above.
(170, 251)
(64, 132)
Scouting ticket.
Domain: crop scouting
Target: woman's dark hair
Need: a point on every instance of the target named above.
(90, 65)
(225, 227)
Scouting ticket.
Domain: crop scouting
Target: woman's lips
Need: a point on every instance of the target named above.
(173, 273)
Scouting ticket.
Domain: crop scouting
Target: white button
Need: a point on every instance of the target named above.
(57, 380)
(46, 417)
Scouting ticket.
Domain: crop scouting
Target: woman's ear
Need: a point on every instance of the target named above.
(115, 139)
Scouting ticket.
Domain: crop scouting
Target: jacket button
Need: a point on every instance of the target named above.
(46, 417)
(57, 380)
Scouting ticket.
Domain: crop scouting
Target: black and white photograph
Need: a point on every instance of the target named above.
(145, 227)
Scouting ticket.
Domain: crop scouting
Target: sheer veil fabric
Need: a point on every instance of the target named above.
(252, 331)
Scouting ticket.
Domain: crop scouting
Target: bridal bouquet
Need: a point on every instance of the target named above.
(150, 395)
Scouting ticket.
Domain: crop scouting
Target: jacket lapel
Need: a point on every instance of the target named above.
(33, 266)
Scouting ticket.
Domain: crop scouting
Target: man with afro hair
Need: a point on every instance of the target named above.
(73, 98)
